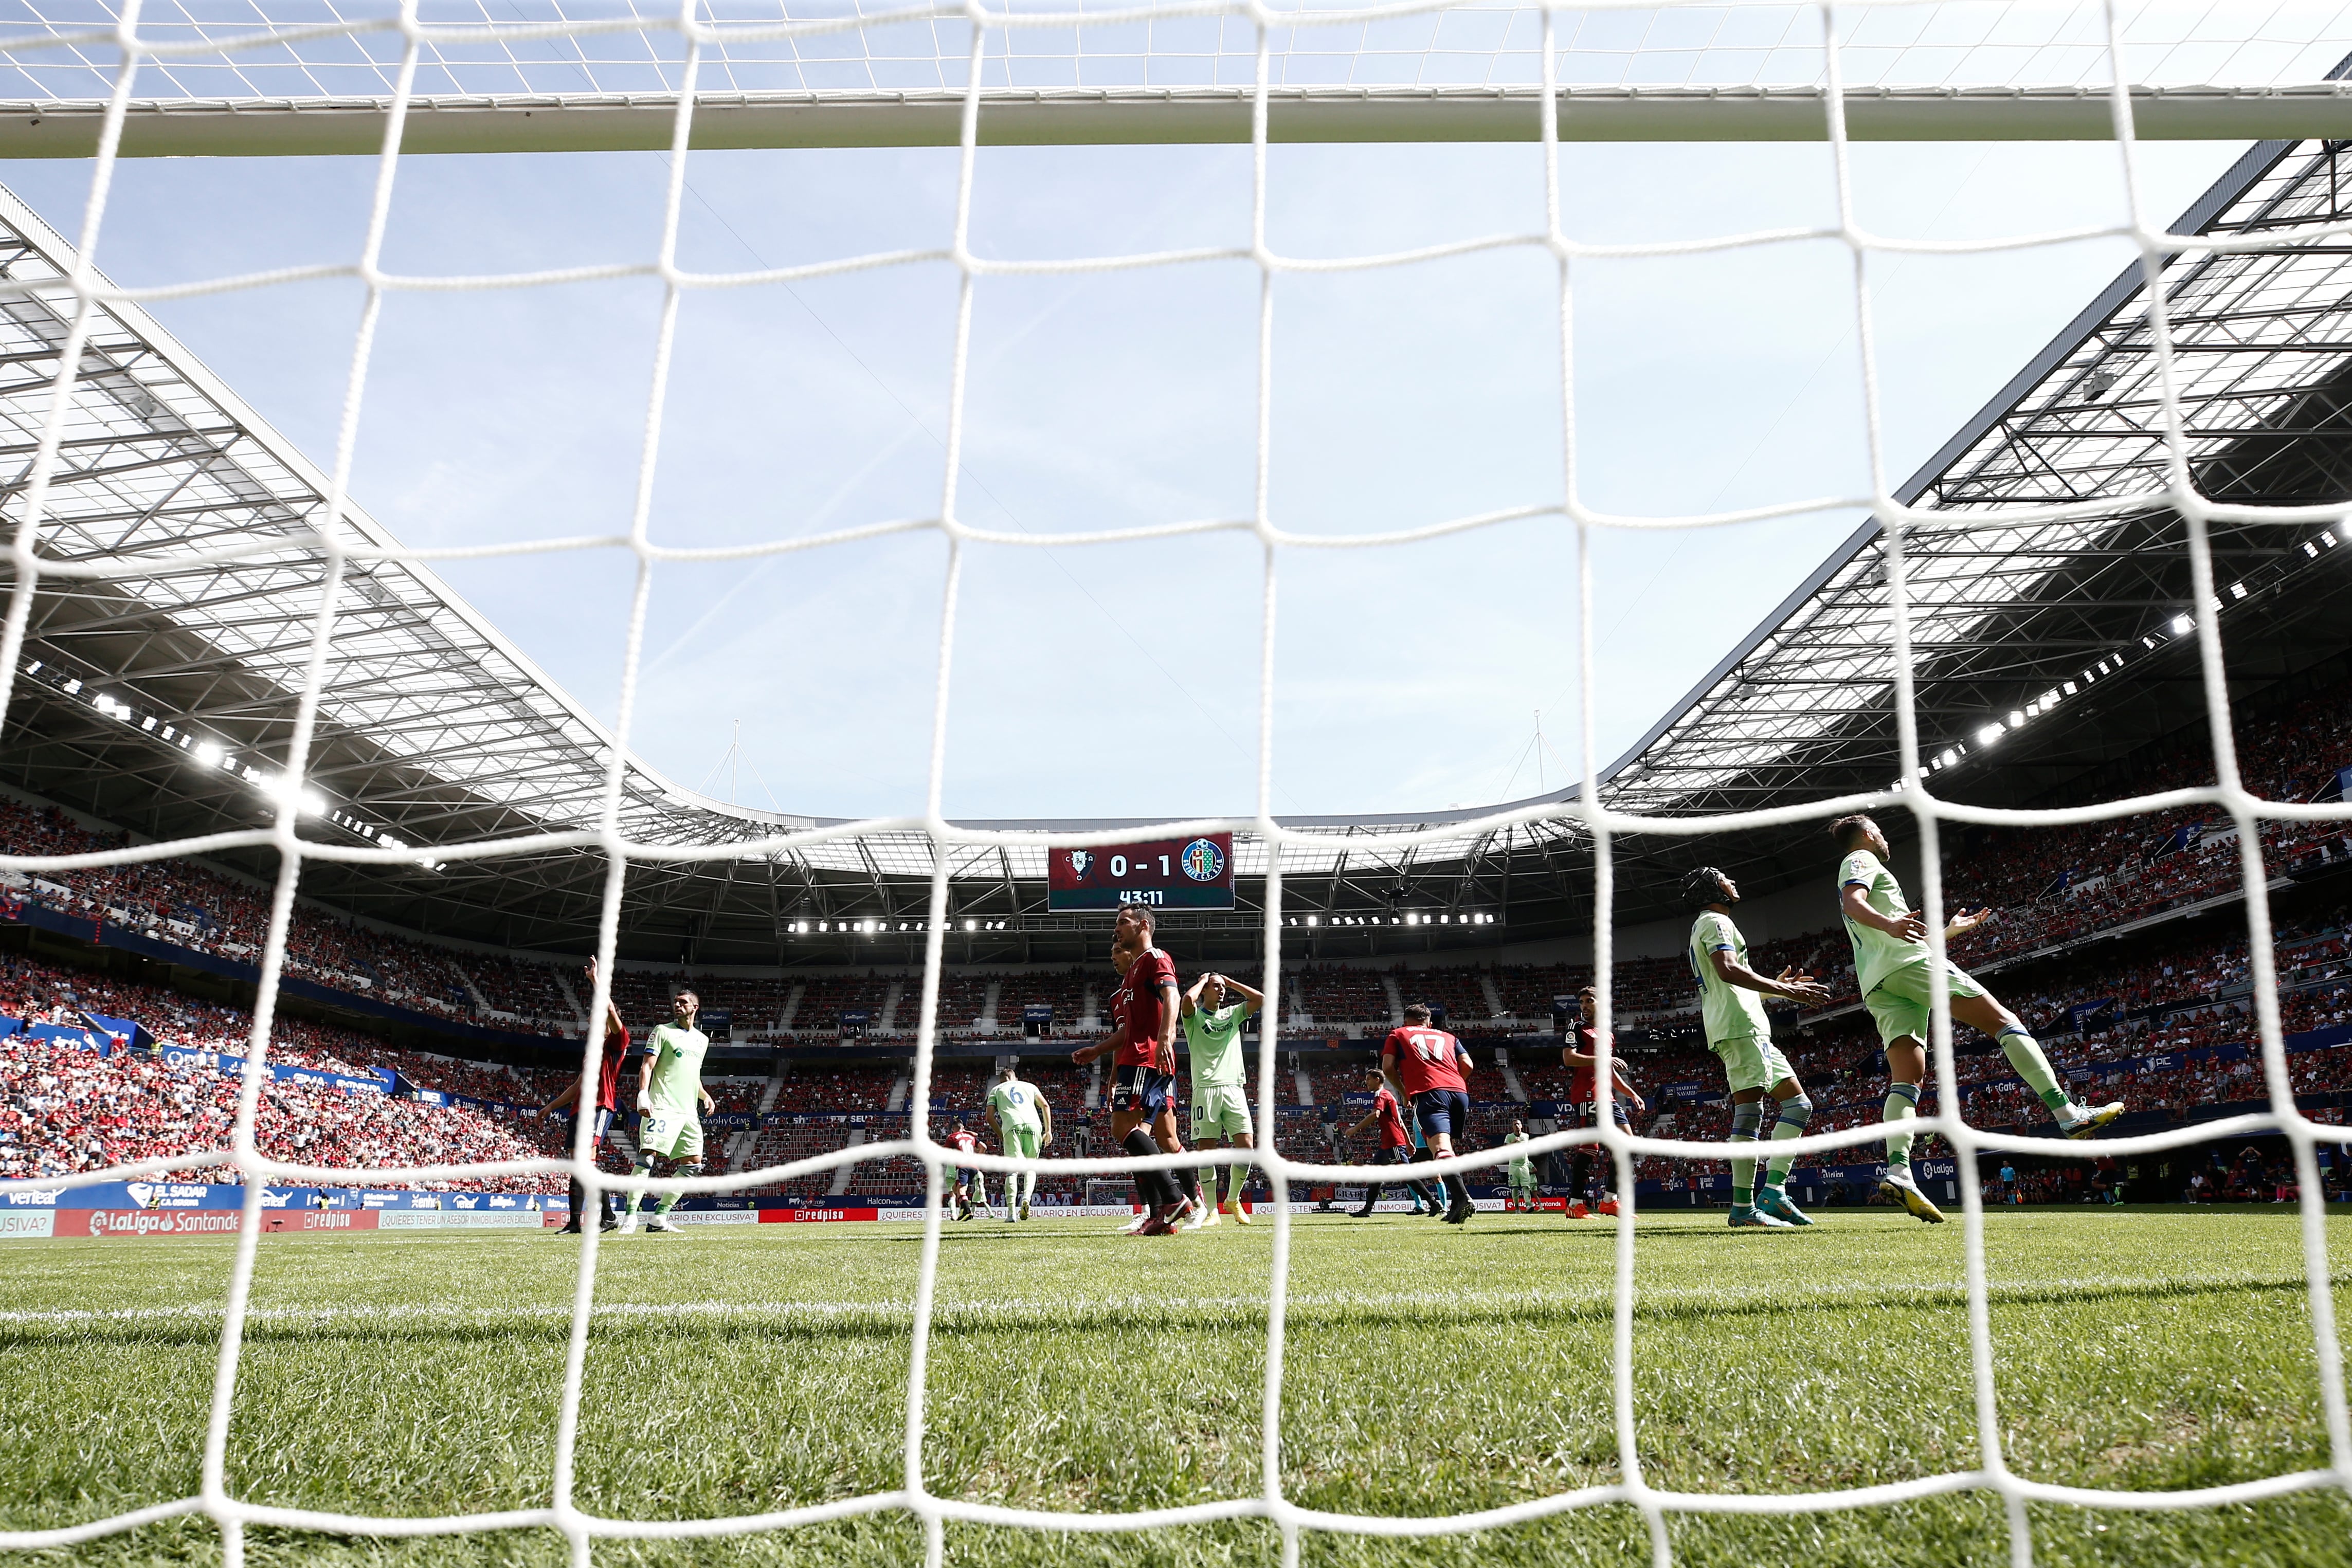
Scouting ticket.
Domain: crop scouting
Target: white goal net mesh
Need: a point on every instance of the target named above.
(121, 57)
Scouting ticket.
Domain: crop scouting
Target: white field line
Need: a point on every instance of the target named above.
(820, 1310)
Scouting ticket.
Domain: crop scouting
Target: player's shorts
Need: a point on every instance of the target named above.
(1899, 1003)
(599, 1127)
(1522, 1174)
(1136, 1087)
(671, 1135)
(1218, 1110)
(1442, 1112)
(1588, 1113)
(1749, 1062)
(1020, 1139)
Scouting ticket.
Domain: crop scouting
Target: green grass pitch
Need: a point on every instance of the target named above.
(1430, 1370)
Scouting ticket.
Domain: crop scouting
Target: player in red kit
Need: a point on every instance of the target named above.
(1396, 1145)
(1427, 1063)
(1143, 1067)
(964, 1141)
(608, 1098)
(1583, 1065)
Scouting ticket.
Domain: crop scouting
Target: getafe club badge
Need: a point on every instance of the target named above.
(1203, 860)
(1081, 862)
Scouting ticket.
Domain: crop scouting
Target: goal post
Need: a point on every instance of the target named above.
(170, 127)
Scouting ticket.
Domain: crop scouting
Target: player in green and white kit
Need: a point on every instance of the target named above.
(669, 1092)
(1027, 1122)
(1890, 962)
(1523, 1171)
(1213, 1013)
(1731, 1004)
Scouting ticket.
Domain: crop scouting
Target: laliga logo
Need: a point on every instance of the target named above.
(1081, 862)
(1202, 861)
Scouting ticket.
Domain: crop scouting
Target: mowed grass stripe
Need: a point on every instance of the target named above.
(1429, 1372)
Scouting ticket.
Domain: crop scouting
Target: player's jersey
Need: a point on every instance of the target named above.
(1730, 1011)
(1875, 954)
(673, 1080)
(1214, 1039)
(1426, 1058)
(1384, 1106)
(1581, 1073)
(1014, 1103)
(608, 1071)
(1141, 1007)
(1519, 1166)
(964, 1141)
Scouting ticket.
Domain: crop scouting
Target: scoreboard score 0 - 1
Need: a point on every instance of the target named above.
(1166, 874)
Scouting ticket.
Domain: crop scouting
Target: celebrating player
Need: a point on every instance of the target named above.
(1523, 1172)
(1731, 1004)
(1890, 961)
(963, 1140)
(1396, 1147)
(1027, 1122)
(1429, 1062)
(1143, 1113)
(669, 1088)
(608, 1101)
(1584, 1069)
(1216, 1008)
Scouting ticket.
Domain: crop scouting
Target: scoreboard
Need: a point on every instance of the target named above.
(1166, 874)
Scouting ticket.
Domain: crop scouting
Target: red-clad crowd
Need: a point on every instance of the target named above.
(65, 1108)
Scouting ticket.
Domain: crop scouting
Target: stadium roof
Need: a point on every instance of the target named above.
(435, 731)
(2071, 623)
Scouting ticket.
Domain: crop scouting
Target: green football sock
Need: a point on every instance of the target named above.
(1902, 1104)
(2025, 1055)
(1745, 1120)
(1234, 1175)
(1794, 1115)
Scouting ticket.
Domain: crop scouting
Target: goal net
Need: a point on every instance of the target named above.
(112, 81)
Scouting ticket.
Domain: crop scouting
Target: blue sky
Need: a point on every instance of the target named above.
(1123, 680)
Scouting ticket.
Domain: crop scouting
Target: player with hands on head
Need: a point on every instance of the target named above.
(1216, 1008)
(1584, 1071)
(614, 1051)
(1890, 962)
(1142, 1044)
(669, 1092)
(1026, 1124)
(1429, 1063)
(1731, 1005)
(1523, 1171)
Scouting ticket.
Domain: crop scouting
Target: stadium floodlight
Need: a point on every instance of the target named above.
(969, 924)
(1989, 734)
(210, 755)
(2016, 719)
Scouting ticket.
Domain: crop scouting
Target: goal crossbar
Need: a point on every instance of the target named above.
(1019, 116)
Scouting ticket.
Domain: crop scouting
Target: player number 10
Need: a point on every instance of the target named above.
(1118, 866)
